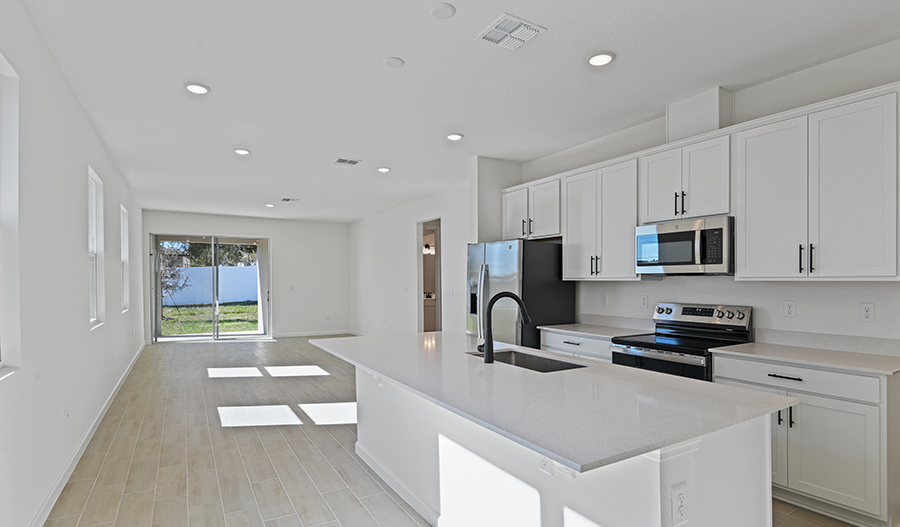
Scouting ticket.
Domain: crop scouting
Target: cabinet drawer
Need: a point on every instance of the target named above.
(835, 384)
(595, 347)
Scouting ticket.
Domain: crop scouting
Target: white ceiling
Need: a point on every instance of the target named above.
(303, 83)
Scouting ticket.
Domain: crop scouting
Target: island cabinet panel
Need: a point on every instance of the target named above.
(599, 217)
(779, 428)
(833, 445)
(531, 212)
(834, 451)
(816, 196)
(686, 182)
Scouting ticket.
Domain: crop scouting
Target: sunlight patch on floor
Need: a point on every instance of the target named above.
(331, 413)
(232, 416)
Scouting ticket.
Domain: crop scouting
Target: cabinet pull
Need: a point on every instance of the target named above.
(529, 226)
(791, 417)
(676, 204)
(523, 227)
(798, 379)
(572, 343)
(592, 266)
(683, 211)
(811, 249)
(780, 420)
(801, 258)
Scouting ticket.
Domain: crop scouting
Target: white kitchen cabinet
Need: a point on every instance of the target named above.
(685, 182)
(830, 445)
(834, 451)
(576, 345)
(599, 216)
(816, 196)
(531, 212)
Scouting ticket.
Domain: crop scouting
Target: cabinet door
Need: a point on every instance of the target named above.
(515, 214)
(853, 189)
(617, 186)
(779, 433)
(705, 178)
(579, 225)
(659, 187)
(543, 209)
(770, 196)
(833, 451)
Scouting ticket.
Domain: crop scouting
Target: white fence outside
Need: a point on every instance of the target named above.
(236, 284)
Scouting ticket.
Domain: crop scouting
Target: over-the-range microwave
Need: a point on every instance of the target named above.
(700, 246)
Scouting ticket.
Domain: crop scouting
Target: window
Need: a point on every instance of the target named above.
(126, 282)
(95, 248)
(10, 326)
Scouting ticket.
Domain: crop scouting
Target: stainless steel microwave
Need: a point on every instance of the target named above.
(701, 246)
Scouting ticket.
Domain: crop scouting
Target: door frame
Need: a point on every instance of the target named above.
(265, 293)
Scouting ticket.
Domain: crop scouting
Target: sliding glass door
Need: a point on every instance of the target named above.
(211, 286)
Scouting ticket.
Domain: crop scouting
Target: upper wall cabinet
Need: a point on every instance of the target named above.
(599, 216)
(531, 212)
(685, 182)
(816, 196)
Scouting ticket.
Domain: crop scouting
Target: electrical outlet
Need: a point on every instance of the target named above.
(133, 330)
(66, 410)
(867, 312)
(450, 292)
(604, 301)
(680, 505)
(545, 465)
(790, 308)
(645, 302)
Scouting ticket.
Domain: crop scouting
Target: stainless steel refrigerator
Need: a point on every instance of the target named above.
(530, 269)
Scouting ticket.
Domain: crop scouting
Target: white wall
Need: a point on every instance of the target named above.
(310, 256)
(62, 362)
(385, 254)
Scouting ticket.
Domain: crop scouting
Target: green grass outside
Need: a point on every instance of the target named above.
(187, 320)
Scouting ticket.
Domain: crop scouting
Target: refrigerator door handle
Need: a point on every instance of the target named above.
(482, 278)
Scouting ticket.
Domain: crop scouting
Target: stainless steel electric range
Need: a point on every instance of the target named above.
(684, 335)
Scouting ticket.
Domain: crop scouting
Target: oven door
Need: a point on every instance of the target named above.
(669, 248)
(692, 366)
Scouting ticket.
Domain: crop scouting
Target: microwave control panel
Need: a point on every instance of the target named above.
(712, 246)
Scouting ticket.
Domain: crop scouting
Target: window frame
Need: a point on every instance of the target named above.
(125, 257)
(96, 289)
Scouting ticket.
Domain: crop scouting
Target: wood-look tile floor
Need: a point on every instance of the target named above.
(160, 457)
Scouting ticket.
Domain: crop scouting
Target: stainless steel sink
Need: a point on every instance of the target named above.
(529, 361)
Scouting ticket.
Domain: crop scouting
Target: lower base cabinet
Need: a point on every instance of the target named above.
(826, 447)
(575, 345)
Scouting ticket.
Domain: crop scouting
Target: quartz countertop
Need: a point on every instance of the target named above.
(583, 418)
(588, 330)
(842, 360)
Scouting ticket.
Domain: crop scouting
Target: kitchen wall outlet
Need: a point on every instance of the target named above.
(450, 292)
(867, 312)
(545, 465)
(604, 301)
(645, 302)
(680, 505)
(790, 308)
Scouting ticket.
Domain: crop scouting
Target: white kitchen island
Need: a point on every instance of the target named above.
(467, 443)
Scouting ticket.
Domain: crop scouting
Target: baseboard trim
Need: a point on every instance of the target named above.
(827, 509)
(317, 333)
(44, 512)
(430, 515)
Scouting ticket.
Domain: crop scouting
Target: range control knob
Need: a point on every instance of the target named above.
(741, 315)
(668, 310)
(719, 314)
(729, 314)
(660, 310)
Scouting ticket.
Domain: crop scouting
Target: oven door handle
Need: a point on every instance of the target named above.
(652, 354)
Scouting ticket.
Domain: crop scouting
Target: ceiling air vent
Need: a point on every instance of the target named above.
(511, 32)
(346, 162)
(288, 200)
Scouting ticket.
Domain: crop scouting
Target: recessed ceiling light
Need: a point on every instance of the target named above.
(196, 88)
(384, 170)
(270, 205)
(394, 62)
(443, 11)
(601, 59)
(241, 151)
(455, 137)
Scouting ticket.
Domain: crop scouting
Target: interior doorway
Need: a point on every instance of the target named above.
(210, 287)
(431, 276)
